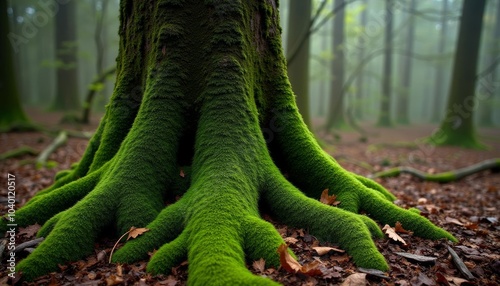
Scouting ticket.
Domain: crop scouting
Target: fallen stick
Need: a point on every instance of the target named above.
(60, 140)
(18, 152)
(443, 177)
(28, 244)
(460, 264)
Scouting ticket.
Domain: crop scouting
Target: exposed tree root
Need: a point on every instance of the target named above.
(59, 141)
(18, 152)
(443, 177)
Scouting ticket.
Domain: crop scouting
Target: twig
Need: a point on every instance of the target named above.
(444, 177)
(28, 244)
(460, 264)
(18, 152)
(60, 140)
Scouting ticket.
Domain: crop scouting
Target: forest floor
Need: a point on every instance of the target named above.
(468, 208)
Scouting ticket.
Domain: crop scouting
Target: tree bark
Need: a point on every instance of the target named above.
(437, 104)
(457, 128)
(203, 109)
(361, 79)
(335, 116)
(11, 111)
(384, 118)
(66, 50)
(298, 70)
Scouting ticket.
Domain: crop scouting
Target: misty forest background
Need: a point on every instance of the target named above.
(351, 63)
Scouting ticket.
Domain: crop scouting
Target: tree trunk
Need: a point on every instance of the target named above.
(457, 128)
(203, 109)
(384, 118)
(335, 117)
(66, 50)
(403, 112)
(437, 104)
(487, 85)
(360, 80)
(11, 111)
(298, 70)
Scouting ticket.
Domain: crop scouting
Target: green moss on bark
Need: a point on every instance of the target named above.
(214, 95)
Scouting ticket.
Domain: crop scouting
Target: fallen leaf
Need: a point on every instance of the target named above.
(113, 280)
(374, 272)
(135, 232)
(182, 173)
(92, 275)
(356, 279)
(453, 221)
(29, 231)
(293, 266)
(327, 199)
(259, 265)
(171, 281)
(291, 240)
(456, 280)
(417, 258)
(101, 255)
(322, 250)
(422, 279)
(399, 228)
(392, 234)
(119, 270)
(441, 279)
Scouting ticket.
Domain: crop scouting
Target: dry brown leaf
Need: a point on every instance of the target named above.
(392, 234)
(119, 270)
(356, 279)
(113, 280)
(453, 221)
(456, 280)
(135, 232)
(399, 228)
(293, 266)
(291, 240)
(259, 265)
(29, 231)
(182, 173)
(171, 281)
(101, 255)
(327, 199)
(322, 250)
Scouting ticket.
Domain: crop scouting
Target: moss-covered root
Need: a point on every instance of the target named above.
(375, 186)
(166, 227)
(351, 231)
(42, 208)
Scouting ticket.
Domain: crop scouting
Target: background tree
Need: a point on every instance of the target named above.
(203, 85)
(335, 116)
(11, 111)
(362, 41)
(457, 128)
(298, 69)
(384, 118)
(437, 106)
(66, 50)
(402, 112)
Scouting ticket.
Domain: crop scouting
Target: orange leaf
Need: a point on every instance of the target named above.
(322, 250)
(287, 261)
(327, 199)
(293, 266)
(291, 240)
(392, 234)
(259, 265)
(135, 232)
(399, 228)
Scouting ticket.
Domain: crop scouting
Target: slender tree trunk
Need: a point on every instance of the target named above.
(384, 118)
(403, 111)
(457, 128)
(298, 70)
(487, 87)
(66, 50)
(11, 111)
(437, 103)
(323, 94)
(335, 116)
(360, 80)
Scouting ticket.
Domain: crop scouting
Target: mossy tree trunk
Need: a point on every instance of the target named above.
(66, 53)
(298, 67)
(203, 86)
(335, 117)
(457, 128)
(384, 117)
(11, 111)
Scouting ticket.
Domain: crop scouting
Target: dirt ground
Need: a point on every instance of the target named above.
(468, 208)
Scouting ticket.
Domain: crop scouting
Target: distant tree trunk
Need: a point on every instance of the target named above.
(335, 116)
(66, 50)
(360, 79)
(11, 111)
(323, 84)
(298, 69)
(384, 118)
(437, 105)
(457, 128)
(402, 113)
(486, 105)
